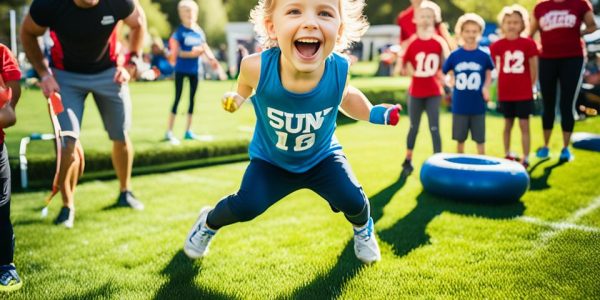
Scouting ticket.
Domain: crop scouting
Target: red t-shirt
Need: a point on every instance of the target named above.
(407, 24)
(514, 75)
(560, 24)
(9, 70)
(425, 56)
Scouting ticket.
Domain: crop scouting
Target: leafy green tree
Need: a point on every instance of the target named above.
(212, 17)
(489, 10)
(239, 10)
(158, 24)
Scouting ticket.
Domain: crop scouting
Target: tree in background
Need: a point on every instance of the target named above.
(239, 10)
(158, 25)
(212, 17)
(489, 10)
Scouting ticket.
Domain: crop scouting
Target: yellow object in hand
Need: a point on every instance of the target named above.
(229, 104)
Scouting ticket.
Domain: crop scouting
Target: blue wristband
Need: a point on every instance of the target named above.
(377, 115)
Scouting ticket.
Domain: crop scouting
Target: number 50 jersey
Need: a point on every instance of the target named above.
(294, 131)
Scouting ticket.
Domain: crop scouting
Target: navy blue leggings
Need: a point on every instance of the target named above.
(568, 73)
(179, 88)
(6, 229)
(264, 184)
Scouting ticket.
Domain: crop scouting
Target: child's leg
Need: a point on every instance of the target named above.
(193, 88)
(477, 124)
(460, 130)
(525, 137)
(432, 107)
(416, 106)
(460, 147)
(334, 180)
(178, 89)
(6, 229)
(263, 185)
(508, 125)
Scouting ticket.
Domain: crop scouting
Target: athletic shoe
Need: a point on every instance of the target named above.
(65, 217)
(365, 244)
(543, 152)
(198, 239)
(565, 155)
(9, 279)
(525, 163)
(407, 166)
(189, 135)
(127, 199)
(512, 156)
(169, 137)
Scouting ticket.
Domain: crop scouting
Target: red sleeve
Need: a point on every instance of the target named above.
(409, 53)
(586, 6)
(9, 68)
(532, 49)
(493, 50)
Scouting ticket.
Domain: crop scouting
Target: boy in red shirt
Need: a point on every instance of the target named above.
(516, 60)
(10, 92)
(423, 60)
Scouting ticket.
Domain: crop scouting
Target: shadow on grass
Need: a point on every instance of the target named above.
(409, 233)
(406, 235)
(105, 291)
(330, 285)
(181, 272)
(541, 182)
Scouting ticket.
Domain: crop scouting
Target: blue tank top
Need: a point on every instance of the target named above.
(295, 131)
(188, 38)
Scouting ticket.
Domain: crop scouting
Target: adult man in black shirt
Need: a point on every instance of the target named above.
(84, 59)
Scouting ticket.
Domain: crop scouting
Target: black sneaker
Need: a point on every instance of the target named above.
(407, 167)
(127, 199)
(9, 279)
(65, 217)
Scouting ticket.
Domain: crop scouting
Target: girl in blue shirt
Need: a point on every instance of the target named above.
(299, 85)
(188, 44)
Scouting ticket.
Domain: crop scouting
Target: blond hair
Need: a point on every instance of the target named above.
(466, 18)
(191, 4)
(353, 21)
(514, 9)
(437, 11)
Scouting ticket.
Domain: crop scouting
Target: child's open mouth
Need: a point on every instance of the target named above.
(307, 47)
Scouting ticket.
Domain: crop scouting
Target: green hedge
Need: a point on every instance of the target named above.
(98, 165)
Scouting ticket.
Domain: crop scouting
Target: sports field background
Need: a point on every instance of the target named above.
(545, 246)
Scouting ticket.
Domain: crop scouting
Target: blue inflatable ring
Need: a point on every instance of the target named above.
(476, 178)
(587, 141)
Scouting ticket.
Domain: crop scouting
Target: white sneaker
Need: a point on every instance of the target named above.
(169, 137)
(365, 243)
(197, 241)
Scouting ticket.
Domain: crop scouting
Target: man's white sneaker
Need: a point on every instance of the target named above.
(197, 241)
(365, 243)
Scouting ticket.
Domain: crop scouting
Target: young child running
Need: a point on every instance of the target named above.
(423, 59)
(299, 83)
(10, 91)
(470, 69)
(516, 58)
(188, 44)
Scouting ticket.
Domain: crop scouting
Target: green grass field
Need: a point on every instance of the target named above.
(545, 246)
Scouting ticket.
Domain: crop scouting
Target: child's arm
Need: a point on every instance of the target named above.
(246, 83)
(7, 112)
(450, 79)
(486, 86)
(533, 69)
(356, 105)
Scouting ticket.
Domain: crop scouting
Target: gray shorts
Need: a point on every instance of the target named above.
(462, 124)
(112, 99)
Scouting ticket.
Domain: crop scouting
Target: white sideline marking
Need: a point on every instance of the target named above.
(558, 225)
(569, 223)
